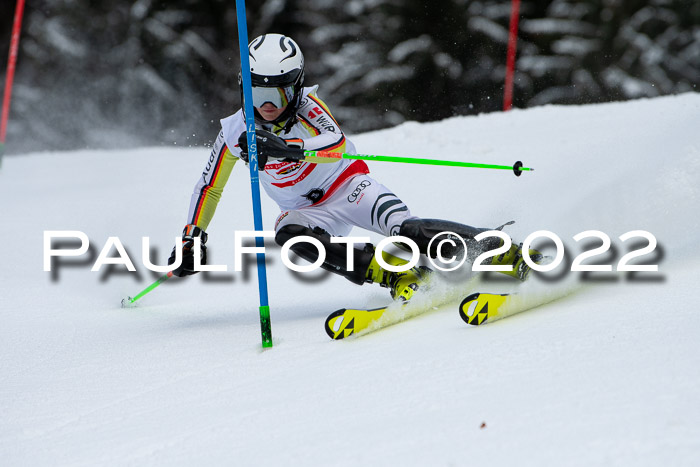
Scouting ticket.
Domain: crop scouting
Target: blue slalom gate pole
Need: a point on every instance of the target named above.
(265, 328)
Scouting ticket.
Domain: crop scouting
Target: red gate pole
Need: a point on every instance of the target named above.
(9, 78)
(510, 57)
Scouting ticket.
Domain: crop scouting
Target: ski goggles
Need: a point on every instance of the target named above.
(278, 96)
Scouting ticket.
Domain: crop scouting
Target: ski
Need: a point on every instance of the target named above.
(357, 321)
(475, 309)
(479, 308)
(347, 321)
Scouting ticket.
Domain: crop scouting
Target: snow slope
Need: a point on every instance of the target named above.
(608, 376)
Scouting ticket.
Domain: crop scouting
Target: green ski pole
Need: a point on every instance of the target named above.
(321, 156)
(129, 302)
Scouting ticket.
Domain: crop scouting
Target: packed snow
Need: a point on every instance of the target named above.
(606, 376)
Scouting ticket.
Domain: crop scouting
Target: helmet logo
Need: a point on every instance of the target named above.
(284, 49)
(257, 46)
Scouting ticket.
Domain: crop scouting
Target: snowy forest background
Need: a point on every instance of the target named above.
(121, 73)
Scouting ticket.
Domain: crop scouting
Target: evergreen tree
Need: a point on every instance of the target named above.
(125, 73)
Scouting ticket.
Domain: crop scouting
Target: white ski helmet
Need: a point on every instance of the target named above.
(277, 73)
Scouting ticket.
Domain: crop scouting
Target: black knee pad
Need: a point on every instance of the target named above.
(422, 232)
(336, 253)
(290, 231)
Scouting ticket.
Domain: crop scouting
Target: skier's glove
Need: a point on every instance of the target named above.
(271, 147)
(190, 232)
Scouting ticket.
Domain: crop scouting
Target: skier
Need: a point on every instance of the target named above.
(318, 200)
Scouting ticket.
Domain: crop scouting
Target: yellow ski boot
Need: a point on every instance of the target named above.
(402, 285)
(514, 257)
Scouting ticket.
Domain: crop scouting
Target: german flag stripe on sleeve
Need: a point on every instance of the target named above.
(210, 193)
(312, 129)
(339, 146)
(324, 107)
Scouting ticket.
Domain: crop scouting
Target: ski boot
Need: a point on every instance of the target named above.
(514, 257)
(402, 285)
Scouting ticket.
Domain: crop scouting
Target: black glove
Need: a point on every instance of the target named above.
(188, 235)
(271, 146)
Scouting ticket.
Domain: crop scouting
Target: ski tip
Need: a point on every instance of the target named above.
(468, 310)
(334, 325)
(128, 302)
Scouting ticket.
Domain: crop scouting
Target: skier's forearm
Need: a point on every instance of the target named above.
(334, 142)
(209, 188)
